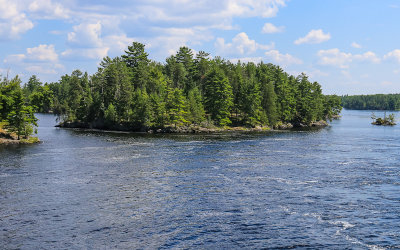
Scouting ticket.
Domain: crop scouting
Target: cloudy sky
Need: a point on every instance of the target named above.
(348, 46)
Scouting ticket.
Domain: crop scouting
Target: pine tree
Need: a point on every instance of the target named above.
(136, 58)
(218, 96)
(196, 109)
(177, 107)
(269, 102)
(21, 119)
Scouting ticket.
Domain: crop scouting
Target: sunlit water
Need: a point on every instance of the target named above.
(337, 187)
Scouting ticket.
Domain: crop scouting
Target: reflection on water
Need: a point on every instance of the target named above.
(332, 188)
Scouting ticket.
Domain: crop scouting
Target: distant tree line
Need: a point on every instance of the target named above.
(372, 102)
(136, 92)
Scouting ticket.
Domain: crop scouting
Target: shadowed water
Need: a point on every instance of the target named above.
(337, 187)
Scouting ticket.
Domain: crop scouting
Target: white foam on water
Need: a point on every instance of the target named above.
(358, 242)
(345, 225)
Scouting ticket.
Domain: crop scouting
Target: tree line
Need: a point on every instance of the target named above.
(372, 102)
(135, 92)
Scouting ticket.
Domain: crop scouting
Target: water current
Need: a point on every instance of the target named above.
(331, 188)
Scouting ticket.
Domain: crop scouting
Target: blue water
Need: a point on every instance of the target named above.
(331, 188)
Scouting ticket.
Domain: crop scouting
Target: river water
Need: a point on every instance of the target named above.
(332, 188)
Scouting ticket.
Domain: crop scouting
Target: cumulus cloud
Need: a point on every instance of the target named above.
(194, 21)
(241, 44)
(102, 28)
(282, 59)
(41, 53)
(337, 58)
(368, 57)
(86, 41)
(86, 35)
(47, 9)
(356, 45)
(269, 28)
(41, 59)
(313, 37)
(169, 40)
(393, 55)
(13, 22)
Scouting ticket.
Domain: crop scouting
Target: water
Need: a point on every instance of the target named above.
(332, 188)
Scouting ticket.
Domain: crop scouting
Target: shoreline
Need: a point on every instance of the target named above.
(194, 129)
(30, 140)
(7, 138)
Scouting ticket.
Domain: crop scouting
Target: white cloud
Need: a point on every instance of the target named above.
(282, 59)
(100, 28)
(169, 40)
(368, 57)
(316, 73)
(118, 43)
(86, 53)
(42, 59)
(269, 28)
(394, 55)
(44, 69)
(13, 22)
(47, 9)
(86, 35)
(356, 45)
(42, 53)
(313, 37)
(241, 44)
(334, 57)
(194, 21)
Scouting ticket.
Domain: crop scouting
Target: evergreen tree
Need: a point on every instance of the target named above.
(218, 97)
(21, 119)
(196, 109)
(177, 107)
(250, 101)
(269, 101)
(136, 58)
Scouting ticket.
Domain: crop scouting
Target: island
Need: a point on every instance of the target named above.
(17, 120)
(187, 93)
(385, 121)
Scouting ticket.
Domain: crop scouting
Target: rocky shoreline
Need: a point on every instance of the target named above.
(193, 129)
(9, 139)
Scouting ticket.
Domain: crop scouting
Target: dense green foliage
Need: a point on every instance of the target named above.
(385, 121)
(372, 102)
(17, 117)
(135, 92)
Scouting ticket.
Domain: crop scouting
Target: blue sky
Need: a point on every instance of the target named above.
(348, 46)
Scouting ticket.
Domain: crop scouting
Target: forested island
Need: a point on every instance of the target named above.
(372, 102)
(187, 93)
(17, 120)
(385, 121)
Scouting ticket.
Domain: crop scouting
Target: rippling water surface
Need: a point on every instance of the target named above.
(337, 187)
